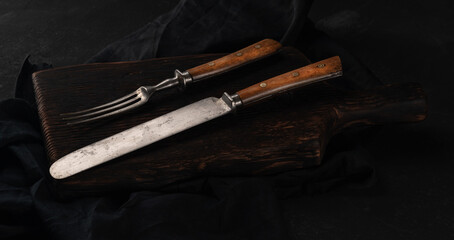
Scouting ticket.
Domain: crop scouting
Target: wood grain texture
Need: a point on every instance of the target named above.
(289, 132)
(241, 57)
(296, 78)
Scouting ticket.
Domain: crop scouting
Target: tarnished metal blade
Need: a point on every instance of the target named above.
(139, 136)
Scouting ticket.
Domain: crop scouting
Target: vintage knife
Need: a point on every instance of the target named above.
(190, 116)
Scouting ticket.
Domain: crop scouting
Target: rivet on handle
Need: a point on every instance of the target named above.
(295, 74)
(263, 85)
(211, 64)
(321, 65)
(258, 46)
(239, 54)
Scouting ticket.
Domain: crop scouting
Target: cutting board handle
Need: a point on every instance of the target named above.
(394, 103)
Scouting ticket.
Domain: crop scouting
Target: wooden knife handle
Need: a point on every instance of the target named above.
(319, 71)
(246, 55)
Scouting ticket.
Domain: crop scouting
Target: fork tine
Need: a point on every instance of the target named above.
(124, 109)
(103, 111)
(133, 94)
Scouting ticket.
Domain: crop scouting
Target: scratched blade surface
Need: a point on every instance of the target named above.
(139, 136)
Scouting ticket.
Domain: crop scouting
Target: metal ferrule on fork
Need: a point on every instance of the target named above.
(182, 79)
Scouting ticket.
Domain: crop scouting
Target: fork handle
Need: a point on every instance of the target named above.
(246, 55)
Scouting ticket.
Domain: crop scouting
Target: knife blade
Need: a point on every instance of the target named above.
(189, 116)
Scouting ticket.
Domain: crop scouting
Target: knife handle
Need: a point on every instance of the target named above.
(246, 55)
(319, 71)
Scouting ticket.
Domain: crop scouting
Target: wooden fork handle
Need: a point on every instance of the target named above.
(246, 55)
(319, 71)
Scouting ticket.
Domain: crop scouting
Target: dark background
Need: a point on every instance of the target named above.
(400, 41)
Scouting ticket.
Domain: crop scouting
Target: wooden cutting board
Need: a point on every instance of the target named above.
(286, 133)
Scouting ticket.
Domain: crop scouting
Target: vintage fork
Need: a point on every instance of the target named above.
(140, 96)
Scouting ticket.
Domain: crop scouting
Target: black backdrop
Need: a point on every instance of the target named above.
(411, 198)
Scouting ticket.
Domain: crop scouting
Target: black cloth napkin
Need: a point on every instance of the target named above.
(206, 208)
